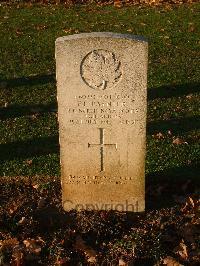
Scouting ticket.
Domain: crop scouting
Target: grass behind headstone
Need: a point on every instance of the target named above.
(29, 131)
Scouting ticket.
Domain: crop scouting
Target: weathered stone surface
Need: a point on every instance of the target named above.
(101, 88)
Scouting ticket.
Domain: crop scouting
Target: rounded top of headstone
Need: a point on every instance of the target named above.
(112, 35)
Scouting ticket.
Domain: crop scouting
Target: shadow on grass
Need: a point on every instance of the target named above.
(27, 81)
(178, 125)
(167, 91)
(29, 148)
(49, 145)
(166, 188)
(170, 91)
(162, 187)
(153, 93)
(18, 111)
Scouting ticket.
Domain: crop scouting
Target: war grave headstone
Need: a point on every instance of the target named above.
(101, 91)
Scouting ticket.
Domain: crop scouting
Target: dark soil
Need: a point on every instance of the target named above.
(36, 231)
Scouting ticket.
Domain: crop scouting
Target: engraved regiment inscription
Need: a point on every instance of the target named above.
(101, 91)
(91, 109)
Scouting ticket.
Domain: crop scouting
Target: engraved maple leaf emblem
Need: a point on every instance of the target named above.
(101, 69)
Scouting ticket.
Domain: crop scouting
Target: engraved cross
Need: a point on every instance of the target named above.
(102, 144)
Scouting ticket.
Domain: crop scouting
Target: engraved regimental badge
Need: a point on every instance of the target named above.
(100, 69)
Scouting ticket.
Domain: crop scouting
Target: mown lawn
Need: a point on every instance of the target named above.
(34, 228)
(29, 130)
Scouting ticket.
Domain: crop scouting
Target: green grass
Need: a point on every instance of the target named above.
(28, 125)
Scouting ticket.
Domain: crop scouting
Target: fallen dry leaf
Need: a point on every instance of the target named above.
(34, 116)
(29, 162)
(191, 204)
(13, 207)
(88, 251)
(41, 27)
(19, 32)
(189, 96)
(35, 186)
(181, 251)
(9, 243)
(117, 3)
(22, 221)
(158, 136)
(18, 256)
(169, 132)
(33, 246)
(191, 28)
(170, 261)
(191, 201)
(178, 141)
(122, 262)
(62, 261)
(68, 30)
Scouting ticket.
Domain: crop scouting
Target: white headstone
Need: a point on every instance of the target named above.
(101, 88)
